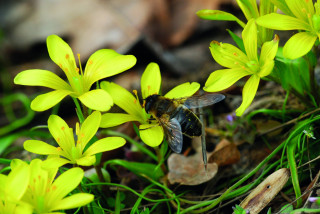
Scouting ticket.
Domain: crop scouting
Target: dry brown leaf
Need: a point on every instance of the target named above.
(189, 170)
(225, 153)
(266, 191)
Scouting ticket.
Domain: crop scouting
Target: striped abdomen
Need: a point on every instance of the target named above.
(190, 123)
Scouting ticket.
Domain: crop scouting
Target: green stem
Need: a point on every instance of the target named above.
(78, 110)
(294, 174)
(159, 157)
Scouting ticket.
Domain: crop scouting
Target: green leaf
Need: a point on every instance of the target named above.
(148, 169)
(183, 90)
(105, 63)
(282, 22)
(37, 77)
(219, 15)
(151, 134)
(45, 101)
(237, 40)
(222, 79)
(299, 45)
(151, 80)
(97, 99)
(248, 93)
(105, 144)
(292, 73)
(250, 39)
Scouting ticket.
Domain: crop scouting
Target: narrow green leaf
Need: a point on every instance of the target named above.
(219, 15)
(138, 168)
(237, 40)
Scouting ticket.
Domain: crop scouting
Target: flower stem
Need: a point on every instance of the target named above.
(78, 110)
(163, 167)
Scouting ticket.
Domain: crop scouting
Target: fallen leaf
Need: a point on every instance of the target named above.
(189, 170)
(225, 153)
(266, 191)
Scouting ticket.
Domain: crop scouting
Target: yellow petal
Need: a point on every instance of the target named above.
(184, 90)
(151, 134)
(248, 93)
(222, 79)
(97, 99)
(150, 80)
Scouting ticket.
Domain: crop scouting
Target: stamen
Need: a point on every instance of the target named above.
(136, 95)
(77, 128)
(80, 64)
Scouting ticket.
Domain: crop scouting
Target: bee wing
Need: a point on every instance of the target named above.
(173, 133)
(198, 101)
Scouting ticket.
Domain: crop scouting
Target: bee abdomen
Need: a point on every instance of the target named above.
(190, 123)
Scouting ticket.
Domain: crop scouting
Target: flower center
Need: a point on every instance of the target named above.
(253, 66)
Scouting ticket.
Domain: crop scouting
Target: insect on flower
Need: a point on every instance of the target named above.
(176, 118)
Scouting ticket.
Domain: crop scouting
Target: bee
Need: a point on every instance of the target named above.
(176, 118)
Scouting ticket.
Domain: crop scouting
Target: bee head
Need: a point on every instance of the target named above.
(149, 102)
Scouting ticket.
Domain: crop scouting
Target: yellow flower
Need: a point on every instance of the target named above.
(103, 63)
(70, 151)
(242, 64)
